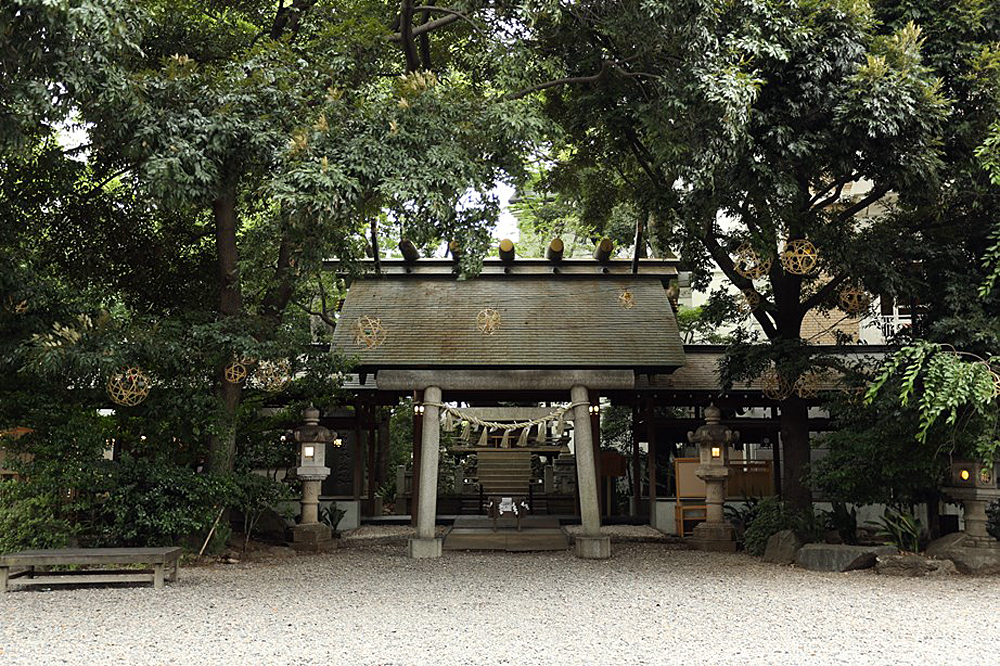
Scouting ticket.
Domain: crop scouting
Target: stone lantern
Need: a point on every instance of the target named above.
(310, 534)
(713, 440)
(975, 486)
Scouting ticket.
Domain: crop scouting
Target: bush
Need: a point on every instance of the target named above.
(993, 519)
(772, 516)
(155, 503)
(29, 521)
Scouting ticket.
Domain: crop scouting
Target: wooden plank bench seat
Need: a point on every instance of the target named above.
(31, 565)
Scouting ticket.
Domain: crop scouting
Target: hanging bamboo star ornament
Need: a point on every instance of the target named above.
(854, 300)
(236, 372)
(273, 376)
(626, 299)
(774, 385)
(369, 332)
(128, 387)
(800, 257)
(749, 263)
(488, 321)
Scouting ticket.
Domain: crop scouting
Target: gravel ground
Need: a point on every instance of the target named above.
(653, 603)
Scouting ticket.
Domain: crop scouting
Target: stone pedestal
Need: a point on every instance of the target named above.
(313, 537)
(593, 548)
(425, 548)
(715, 537)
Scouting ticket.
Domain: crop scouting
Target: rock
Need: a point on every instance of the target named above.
(271, 527)
(830, 557)
(782, 547)
(977, 561)
(911, 565)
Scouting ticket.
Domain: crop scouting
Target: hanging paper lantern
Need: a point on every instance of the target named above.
(799, 257)
(626, 299)
(369, 332)
(774, 385)
(749, 263)
(488, 321)
(854, 300)
(272, 376)
(128, 387)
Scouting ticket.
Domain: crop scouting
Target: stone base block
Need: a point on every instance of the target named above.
(313, 537)
(715, 537)
(835, 557)
(424, 548)
(970, 554)
(593, 548)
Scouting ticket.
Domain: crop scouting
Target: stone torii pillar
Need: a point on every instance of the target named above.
(426, 545)
(590, 545)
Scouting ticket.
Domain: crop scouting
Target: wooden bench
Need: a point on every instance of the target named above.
(33, 565)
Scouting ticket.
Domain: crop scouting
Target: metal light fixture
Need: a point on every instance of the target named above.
(337, 443)
(418, 410)
(595, 410)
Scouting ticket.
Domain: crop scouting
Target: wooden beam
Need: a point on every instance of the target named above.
(602, 251)
(555, 250)
(506, 250)
(409, 250)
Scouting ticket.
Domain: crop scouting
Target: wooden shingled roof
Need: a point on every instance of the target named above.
(546, 321)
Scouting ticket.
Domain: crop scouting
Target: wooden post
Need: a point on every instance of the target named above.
(595, 428)
(158, 575)
(636, 466)
(384, 446)
(372, 440)
(651, 463)
(359, 453)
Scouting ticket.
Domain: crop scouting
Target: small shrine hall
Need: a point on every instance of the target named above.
(507, 372)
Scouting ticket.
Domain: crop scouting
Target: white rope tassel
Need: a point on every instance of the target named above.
(466, 431)
(522, 440)
(560, 426)
(483, 437)
(449, 423)
(542, 431)
(505, 440)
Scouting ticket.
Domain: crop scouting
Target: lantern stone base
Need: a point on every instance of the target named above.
(593, 548)
(715, 537)
(313, 537)
(425, 548)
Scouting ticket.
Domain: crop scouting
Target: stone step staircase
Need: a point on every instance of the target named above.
(504, 472)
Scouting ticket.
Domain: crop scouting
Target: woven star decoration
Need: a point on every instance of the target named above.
(128, 387)
(273, 376)
(775, 385)
(799, 257)
(369, 332)
(854, 300)
(749, 263)
(488, 321)
(236, 371)
(626, 299)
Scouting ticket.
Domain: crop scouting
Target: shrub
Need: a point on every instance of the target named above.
(771, 516)
(30, 521)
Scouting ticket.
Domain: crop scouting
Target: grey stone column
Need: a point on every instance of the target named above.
(589, 545)
(425, 545)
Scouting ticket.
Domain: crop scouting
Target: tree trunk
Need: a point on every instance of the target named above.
(796, 452)
(222, 451)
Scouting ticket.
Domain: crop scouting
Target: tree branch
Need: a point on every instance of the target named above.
(856, 208)
(725, 262)
(568, 80)
(426, 27)
(823, 292)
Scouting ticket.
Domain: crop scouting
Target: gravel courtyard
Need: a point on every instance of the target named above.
(368, 604)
